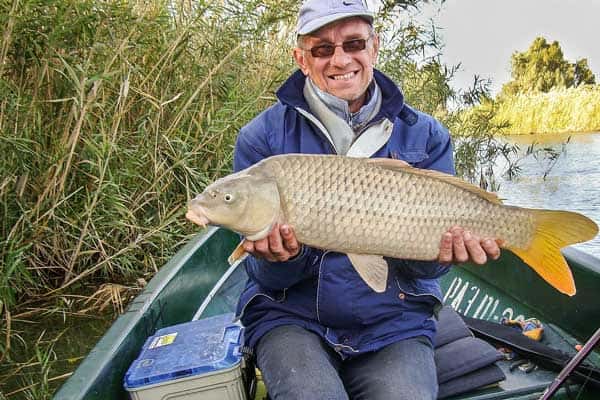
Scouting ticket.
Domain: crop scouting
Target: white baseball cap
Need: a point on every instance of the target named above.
(315, 14)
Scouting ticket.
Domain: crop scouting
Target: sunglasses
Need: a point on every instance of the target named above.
(349, 46)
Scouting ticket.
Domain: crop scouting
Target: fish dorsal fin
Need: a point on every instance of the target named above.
(372, 269)
(399, 165)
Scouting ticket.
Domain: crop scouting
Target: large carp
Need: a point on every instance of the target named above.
(370, 208)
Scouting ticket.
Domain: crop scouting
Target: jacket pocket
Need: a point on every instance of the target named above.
(254, 291)
(412, 157)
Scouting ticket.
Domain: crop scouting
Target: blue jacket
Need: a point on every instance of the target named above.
(320, 290)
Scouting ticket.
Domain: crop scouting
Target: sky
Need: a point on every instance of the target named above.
(483, 34)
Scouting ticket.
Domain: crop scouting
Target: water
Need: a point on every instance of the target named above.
(573, 182)
(50, 347)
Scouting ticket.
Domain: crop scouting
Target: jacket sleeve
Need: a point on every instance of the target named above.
(440, 158)
(250, 148)
(419, 269)
(439, 150)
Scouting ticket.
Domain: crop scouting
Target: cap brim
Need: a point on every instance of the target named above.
(321, 22)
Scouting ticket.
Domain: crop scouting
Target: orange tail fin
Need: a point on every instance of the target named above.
(555, 230)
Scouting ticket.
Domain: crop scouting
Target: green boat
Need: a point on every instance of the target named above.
(199, 283)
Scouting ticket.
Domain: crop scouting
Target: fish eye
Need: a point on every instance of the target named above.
(228, 197)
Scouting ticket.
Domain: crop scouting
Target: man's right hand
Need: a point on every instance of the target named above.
(280, 245)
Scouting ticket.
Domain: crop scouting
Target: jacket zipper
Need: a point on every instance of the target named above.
(319, 284)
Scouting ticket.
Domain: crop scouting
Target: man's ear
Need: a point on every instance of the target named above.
(300, 60)
(375, 48)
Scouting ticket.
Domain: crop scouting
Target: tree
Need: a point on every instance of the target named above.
(543, 67)
(583, 73)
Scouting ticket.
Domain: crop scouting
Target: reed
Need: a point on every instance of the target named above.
(558, 111)
(112, 116)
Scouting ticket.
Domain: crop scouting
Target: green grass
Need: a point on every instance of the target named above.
(558, 111)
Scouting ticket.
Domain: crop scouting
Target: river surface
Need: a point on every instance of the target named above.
(572, 183)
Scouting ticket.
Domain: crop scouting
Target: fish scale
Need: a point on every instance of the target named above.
(359, 202)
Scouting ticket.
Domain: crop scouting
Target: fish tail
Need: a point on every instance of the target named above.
(553, 231)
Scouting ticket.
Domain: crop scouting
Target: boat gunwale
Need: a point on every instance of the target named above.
(584, 259)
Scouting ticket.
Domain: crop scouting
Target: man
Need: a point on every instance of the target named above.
(318, 330)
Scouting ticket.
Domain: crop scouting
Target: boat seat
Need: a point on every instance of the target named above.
(463, 362)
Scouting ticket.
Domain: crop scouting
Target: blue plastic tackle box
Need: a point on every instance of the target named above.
(194, 360)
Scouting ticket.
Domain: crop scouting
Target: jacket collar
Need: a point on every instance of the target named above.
(291, 93)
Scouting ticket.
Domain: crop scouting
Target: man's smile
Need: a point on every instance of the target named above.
(343, 77)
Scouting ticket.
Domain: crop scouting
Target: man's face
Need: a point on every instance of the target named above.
(344, 75)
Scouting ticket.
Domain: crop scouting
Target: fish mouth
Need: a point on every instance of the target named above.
(197, 215)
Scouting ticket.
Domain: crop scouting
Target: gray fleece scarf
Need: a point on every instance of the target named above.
(342, 125)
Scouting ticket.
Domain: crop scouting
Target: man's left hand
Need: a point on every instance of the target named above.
(460, 246)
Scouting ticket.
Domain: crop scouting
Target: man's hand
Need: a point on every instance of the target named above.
(280, 245)
(459, 246)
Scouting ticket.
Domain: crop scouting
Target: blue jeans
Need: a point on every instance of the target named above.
(297, 364)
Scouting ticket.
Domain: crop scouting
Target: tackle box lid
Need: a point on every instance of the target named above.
(188, 349)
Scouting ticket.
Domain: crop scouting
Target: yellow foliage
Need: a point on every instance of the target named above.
(558, 111)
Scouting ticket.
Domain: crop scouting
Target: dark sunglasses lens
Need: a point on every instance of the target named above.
(325, 50)
(354, 45)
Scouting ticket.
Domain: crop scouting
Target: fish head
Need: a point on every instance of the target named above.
(243, 203)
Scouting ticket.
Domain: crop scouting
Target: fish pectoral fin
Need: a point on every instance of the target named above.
(238, 254)
(372, 269)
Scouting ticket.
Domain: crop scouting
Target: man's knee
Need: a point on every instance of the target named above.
(296, 365)
(403, 370)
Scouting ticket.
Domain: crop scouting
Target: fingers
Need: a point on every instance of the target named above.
(492, 248)
(275, 245)
(261, 249)
(458, 245)
(280, 245)
(289, 240)
(446, 254)
(248, 246)
(473, 244)
(461, 246)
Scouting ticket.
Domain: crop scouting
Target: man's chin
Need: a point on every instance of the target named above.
(353, 99)
(348, 94)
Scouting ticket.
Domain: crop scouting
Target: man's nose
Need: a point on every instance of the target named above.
(340, 57)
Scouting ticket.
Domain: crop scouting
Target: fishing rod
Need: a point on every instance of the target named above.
(568, 369)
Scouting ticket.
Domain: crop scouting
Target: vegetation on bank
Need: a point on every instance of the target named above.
(547, 93)
(112, 115)
(559, 110)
